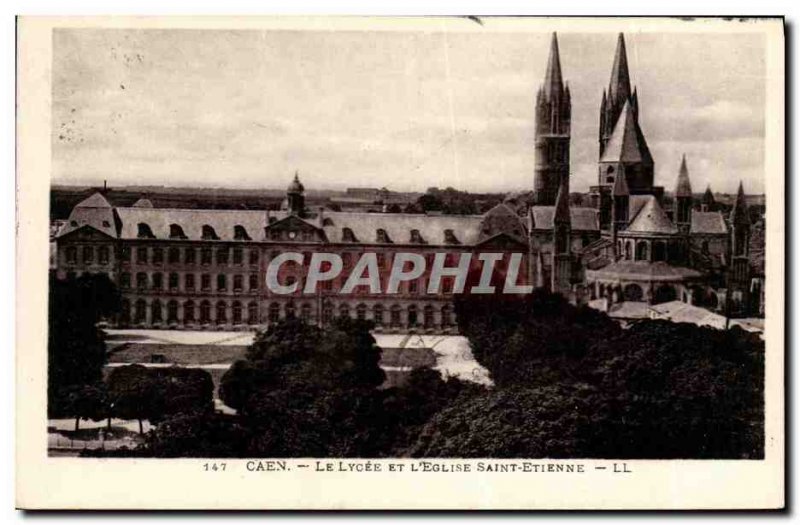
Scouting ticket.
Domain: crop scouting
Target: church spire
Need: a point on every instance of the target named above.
(684, 187)
(553, 81)
(619, 88)
(739, 210)
(562, 205)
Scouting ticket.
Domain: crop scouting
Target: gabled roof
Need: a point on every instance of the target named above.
(143, 203)
(684, 186)
(708, 222)
(652, 219)
(581, 219)
(627, 143)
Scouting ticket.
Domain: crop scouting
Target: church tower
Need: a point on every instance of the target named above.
(620, 204)
(683, 199)
(619, 92)
(739, 271)
(295, 197)
(562, 253)
(553, 108)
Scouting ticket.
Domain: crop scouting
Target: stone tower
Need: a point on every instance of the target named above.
(739, 270)
(683, 199)
(295, 197)
(553, 108)
(562, 252)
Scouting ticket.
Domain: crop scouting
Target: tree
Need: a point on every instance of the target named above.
(133, 394)
(85, 402)
(76, 347)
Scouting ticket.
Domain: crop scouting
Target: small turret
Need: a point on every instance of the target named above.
(295, 196)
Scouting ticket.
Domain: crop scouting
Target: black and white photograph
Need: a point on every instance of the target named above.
(499, 246)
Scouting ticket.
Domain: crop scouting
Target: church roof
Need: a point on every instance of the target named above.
(553, 81)
(619, 87)
(709, 222)
(581, 219)
(620, 185)
(684, 187)
(652, 219)
(644, 271)
(627, 143)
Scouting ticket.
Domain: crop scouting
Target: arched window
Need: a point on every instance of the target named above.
(222, 312)
(428, 316)
(305, 312)
(237, 312)
(155, 311)
(172, 311)
(274, 313)
(240, 233)
(348, 235)
(205, 312)
(158, 281)
(344, 311)
(327, 312)
(382, 236)
(633, 292)
(176, 232)
(361, 312)
(141, 280)
(140, 312)
(450, 237)
(641, 251)
(446, 316)
(394, 316)
(208, 233)
(377, 314)
(659, 251)
(144, 231)
(125, 311)
(411, 314)
(252, 313)
(173, 281)
(125, 280)
(188, 312)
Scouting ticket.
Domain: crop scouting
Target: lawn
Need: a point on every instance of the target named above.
(177, 354)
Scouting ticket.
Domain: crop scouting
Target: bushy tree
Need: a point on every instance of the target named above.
(76, 347)
(133, 394)
(85, 402)
(196, 434)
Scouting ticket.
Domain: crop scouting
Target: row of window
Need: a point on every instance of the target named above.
(175, 255)
(155, 281)
(188, 312)
(89, 254)
(641, 251)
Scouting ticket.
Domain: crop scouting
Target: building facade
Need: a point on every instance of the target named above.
(206, 269)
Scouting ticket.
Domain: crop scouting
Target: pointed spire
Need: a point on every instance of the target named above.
(620, 186)
(619, 88)
(553, 81)
(739, 210)
(562, 205)
(684, 187)
(627, 143)
(708, 198)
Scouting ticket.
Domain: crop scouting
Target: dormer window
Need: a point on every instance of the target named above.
(106, 224)
(272, 220)
(176, 232)
(416, 237)
(240, 233)
(382, 236)
(209, 233)
(327, 221)
(73, 223)
(450, 237)
(144, 231)
(348, 235)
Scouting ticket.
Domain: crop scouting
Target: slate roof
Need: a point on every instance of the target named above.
(627, 143)
(192, 222)
(398, 226)
(95, 212)
(708, 222)
(644, 271)
(581, 219)
(652, 218)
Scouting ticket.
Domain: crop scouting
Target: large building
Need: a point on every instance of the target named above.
(206, 269)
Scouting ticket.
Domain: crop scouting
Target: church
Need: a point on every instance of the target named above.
(206, 269)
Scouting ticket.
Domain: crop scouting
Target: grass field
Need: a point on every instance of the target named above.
(177, 354)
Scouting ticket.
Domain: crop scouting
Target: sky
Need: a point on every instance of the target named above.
(405, 110)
